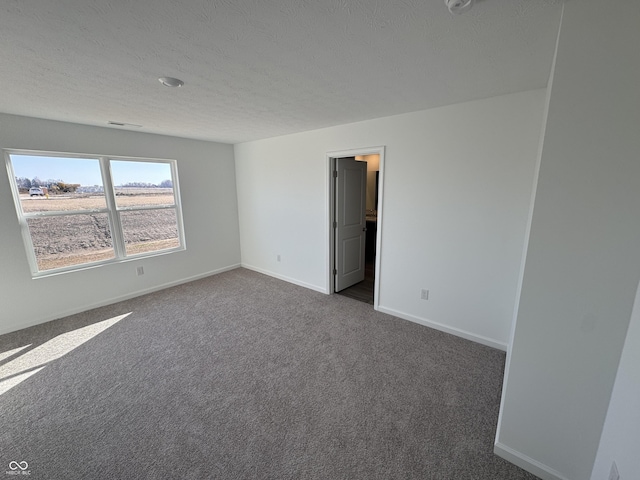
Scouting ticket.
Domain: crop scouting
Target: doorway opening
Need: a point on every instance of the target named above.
(355, 222)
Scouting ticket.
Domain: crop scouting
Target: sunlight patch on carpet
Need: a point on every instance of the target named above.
(9, 353)
(32, 361)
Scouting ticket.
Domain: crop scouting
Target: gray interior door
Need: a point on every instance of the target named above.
(350, 231)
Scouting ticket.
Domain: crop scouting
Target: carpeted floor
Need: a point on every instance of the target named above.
(242, 376)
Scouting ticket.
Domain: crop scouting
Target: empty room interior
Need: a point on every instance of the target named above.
(473, 167)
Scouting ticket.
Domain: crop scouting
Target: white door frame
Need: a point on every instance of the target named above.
(330, 214)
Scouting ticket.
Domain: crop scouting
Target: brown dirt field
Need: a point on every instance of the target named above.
(75, 239)
(67, 203)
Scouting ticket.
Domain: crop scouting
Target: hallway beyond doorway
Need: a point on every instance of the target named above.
(363, 291)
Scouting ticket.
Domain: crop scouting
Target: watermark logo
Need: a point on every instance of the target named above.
(18, 468)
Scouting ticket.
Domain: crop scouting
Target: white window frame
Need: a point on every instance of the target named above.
(112, 210)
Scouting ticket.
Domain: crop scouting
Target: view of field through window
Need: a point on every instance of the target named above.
(66, 209)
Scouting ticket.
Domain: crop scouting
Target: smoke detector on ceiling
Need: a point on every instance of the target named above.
(171, 82)
(458, 6)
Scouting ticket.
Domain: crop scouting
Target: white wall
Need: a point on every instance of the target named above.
(583, 261)
(457, 186)
(207, 179)
(620, 439)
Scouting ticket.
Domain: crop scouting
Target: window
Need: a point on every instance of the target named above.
(76, 210)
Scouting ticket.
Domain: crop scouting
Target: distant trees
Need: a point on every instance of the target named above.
(60, 186)
(163, 184)
(23, 182)
(54, 186)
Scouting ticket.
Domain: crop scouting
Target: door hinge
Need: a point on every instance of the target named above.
(335, 224)
(335, 174)
(335, 272)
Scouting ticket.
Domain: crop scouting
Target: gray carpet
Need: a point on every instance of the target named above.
(243, 376)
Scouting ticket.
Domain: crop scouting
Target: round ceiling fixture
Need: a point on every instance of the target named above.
(171, 82)
(458, 6)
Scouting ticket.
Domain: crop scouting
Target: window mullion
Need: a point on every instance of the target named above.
(26, 237)
(145, 207)
(114, 217)
(178, 203)
(63, 213)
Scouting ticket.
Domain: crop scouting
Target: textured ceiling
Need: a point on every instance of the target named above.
(255, 69)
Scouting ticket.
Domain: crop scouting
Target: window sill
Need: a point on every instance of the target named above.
(90, 266)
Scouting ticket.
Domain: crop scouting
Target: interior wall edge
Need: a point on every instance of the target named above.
(527, 237)
(527, 463)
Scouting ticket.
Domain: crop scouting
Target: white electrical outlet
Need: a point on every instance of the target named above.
(424, 294)
(278, 257)
(613, 474)
(140, 271)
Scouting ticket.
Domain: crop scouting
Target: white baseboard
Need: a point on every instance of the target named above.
(527, 463)
(405, 316)
(285, 278)
(490, 342)
(121, 298)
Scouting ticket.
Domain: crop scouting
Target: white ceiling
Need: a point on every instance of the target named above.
(256, 69)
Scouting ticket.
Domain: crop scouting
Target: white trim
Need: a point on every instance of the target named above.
(117, 299)
(142, 208)
(527, 463)
(490, 342)
(329, 214)
(102, 263)
(285, 278)
(85, 156)
(62, 213)
(22, 221)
